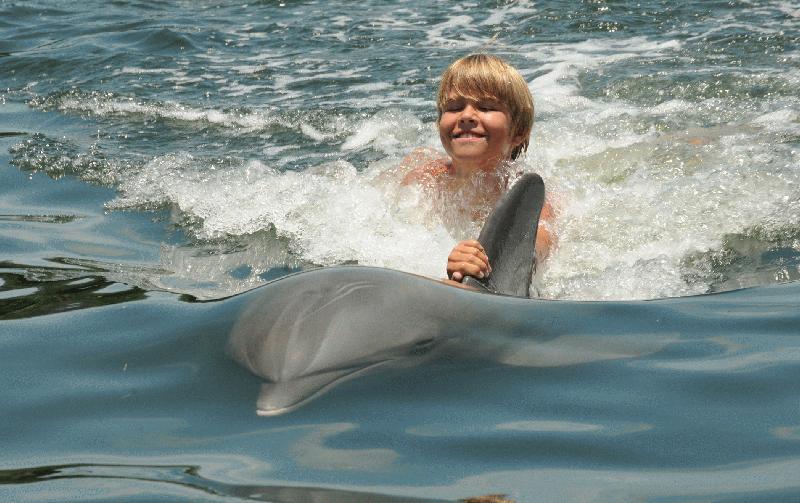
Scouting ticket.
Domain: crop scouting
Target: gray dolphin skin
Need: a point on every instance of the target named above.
(307, 331)
(509, 238)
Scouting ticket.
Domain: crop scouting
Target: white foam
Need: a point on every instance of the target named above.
(130, 70)
(329, 214)
(109, 105)
(237, 89)
(642, 189)
(371, 87)
(790, 9)
(179, 81)
(460, 26)
(340, 21)
(390, 131)
(508, 13)
(313, 133)
(558, 88)
(784, 119)
(249, 69)
(631, 217)
(671, 107)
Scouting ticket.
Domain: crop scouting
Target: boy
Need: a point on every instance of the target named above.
(485, 119)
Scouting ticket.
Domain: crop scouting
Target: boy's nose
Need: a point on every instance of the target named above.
(467, 114)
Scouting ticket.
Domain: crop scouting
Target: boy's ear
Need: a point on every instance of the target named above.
(518, 140)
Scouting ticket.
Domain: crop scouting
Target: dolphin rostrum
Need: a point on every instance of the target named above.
(307, 331)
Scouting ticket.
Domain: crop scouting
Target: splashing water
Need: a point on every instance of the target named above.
(671, 176)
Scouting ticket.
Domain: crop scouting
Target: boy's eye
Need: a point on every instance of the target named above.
(483, 105)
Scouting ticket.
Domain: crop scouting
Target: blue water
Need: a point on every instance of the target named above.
(158, 158)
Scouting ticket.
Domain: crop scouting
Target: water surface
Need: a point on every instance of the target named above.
(155, 153)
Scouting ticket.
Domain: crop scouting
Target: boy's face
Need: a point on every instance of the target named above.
(476, 134)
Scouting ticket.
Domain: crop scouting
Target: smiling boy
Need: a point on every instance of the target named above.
(485, 119)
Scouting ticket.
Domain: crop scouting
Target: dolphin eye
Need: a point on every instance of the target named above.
(422, 347)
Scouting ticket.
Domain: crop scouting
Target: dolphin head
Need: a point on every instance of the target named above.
(306, 332)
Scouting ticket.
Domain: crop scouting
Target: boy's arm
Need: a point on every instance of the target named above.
(468, 258)
(544, 235)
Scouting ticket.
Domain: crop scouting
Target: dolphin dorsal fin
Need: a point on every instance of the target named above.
(509, 238)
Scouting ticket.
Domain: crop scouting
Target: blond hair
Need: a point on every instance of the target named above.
(481, 76)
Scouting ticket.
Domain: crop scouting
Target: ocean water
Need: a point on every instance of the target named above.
(157, 159)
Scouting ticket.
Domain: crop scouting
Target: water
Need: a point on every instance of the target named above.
(153, 153)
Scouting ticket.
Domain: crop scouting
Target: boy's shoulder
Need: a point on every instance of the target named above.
(425, 165)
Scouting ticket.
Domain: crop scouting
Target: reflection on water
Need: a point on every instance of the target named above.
(28, 291)
(311, 451)
(220, 268)
(47, 219)
(762, 480)
(189, 477)
(757, 481)
(760, 257)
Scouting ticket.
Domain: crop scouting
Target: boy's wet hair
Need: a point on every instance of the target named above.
(481, 76)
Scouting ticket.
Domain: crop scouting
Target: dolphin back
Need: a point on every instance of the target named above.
(509, 238)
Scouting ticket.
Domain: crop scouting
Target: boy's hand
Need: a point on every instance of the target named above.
(468, 258)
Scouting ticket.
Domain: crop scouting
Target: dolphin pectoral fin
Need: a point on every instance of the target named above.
(284, 396)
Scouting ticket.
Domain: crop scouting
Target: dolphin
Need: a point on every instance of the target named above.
(305, 332)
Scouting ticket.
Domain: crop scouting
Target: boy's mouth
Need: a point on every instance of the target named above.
(467, 136)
